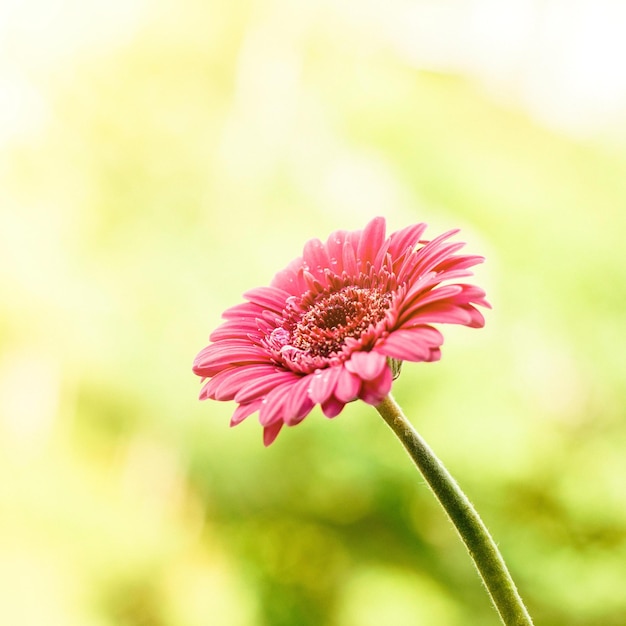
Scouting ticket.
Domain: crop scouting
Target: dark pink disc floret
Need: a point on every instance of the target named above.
(332, 324)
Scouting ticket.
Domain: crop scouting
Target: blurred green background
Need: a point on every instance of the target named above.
(157, 160)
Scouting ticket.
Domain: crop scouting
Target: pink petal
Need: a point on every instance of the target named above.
(271, 432)
(210, 390)
(274, 405)
(405, 238)
(416, 263)
(334, 246)
(316, 257)
(452, 274)
(243, 411)
(411, 345)
(420, 285)
(435, 354)
(263, 384)
(323, 384)
(431, 255)
(332, 407)
(348, 386)
(374, 391)
(428, 335)
(433, 243)
(405, 267)
(290, 279)
(349, 260)
(474, 294)
(226, 384)
(383, 258)
(299, 403)
(478, 319)
(447, 293)
(217, 356)
(441, 313)
(367, 365)
(235, 329)
(458, 262)
(371, 241)
(205, 392)
(268, 297)
(243, 310)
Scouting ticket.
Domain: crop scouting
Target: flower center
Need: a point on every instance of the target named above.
(330, 320)
(318, 329)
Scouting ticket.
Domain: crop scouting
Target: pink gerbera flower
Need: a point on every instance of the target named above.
(335, 325)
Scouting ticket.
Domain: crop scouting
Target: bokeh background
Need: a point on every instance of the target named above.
(158, 159)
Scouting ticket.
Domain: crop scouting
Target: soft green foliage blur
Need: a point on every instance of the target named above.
(169, 157)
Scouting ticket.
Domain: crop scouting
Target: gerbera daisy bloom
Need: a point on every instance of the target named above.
(336, 323)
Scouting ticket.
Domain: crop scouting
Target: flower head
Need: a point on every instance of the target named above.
(334, 325)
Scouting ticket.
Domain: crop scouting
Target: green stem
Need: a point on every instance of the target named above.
(473, 532)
